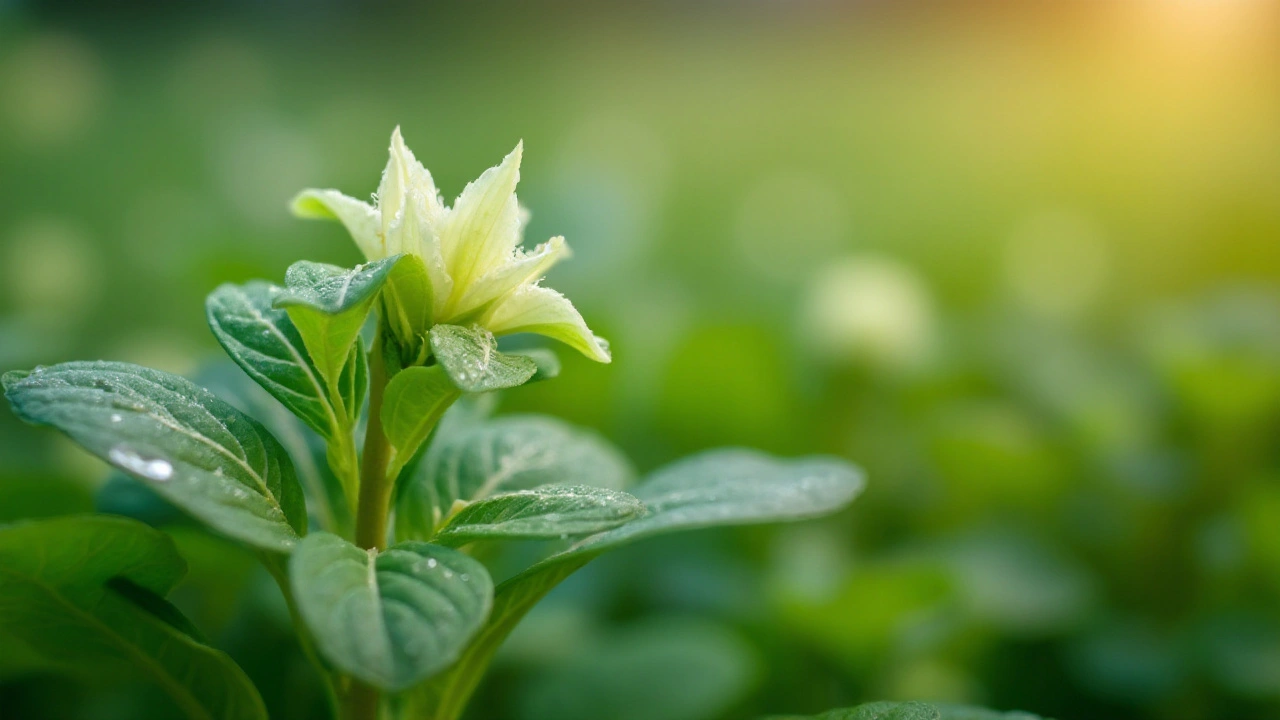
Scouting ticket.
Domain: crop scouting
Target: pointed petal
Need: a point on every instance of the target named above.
(544, 311)
(484, 225)
(414, 233)
(404, 174)
(522, 268)
(360, 219)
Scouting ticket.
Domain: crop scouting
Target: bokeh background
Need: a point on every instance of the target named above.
(1019, 260)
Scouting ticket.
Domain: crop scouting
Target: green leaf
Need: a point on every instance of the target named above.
(329, 305)
(407, 306)
(515, 452)
(470, 356)
(718, 487)
(965, 712)
(391, 618)
(85, 594)
(912, 711)
(545, 359)
(264, 342)
(552, 511)
(326, 500)
(667, 668)
(412, 404)
(193, 449)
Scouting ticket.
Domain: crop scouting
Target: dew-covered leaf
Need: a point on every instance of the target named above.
(328, 305)
(413, 403)
(470, 356)
(514, 452)
(548, 512)
(718, 487)
(392, 618)
(195, 450)
(326, 501)
(264, 342)
(85, 595)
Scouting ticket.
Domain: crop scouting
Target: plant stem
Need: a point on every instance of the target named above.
(360, 702)
(375, 486)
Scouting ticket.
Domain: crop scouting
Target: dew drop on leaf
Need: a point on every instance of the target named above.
(152, 469)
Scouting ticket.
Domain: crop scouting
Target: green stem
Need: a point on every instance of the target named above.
(375, 485)
(360, 702)
(275, 566)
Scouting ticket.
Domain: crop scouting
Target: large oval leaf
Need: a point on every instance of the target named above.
(193, 449)
(264, 342)
(719, 487)
(552, 511)
(85, 593)
(516, 452)
(391, 618)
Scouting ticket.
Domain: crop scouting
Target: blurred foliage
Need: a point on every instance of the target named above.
(1019, 263)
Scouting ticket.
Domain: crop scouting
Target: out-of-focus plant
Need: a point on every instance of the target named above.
(374, 547)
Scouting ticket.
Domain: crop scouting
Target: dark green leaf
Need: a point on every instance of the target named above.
(551, 511)
(328, 305)
(326, 501)
(391, 618)
(193, 449)
(719, 487)
(471, 357)
(265, 344)
(516, 452)
(85, 593)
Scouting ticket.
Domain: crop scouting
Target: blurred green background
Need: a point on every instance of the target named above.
(1019, 260)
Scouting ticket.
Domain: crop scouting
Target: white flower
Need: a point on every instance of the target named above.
(477, 269)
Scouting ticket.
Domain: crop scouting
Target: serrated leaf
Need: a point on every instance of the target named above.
(84, 594)
(264, 342)
(193, 449)
(719, 487)
(515, 452)
(470, 356)
(548, 512)
(390, 618)
(413, 402)
(329, 305)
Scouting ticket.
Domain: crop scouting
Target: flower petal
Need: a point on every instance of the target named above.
(484, 225)
(522, 268)
(360, 219)
(402, 176)
(535, 309)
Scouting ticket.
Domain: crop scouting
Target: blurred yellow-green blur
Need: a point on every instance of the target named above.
(1019, 260)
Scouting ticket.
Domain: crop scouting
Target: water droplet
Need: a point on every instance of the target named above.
(464, 577)
(431, 562)
(217, 471)
(115, 417)
(152, 469)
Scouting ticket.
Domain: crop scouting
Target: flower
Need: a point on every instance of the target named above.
(476, 268)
